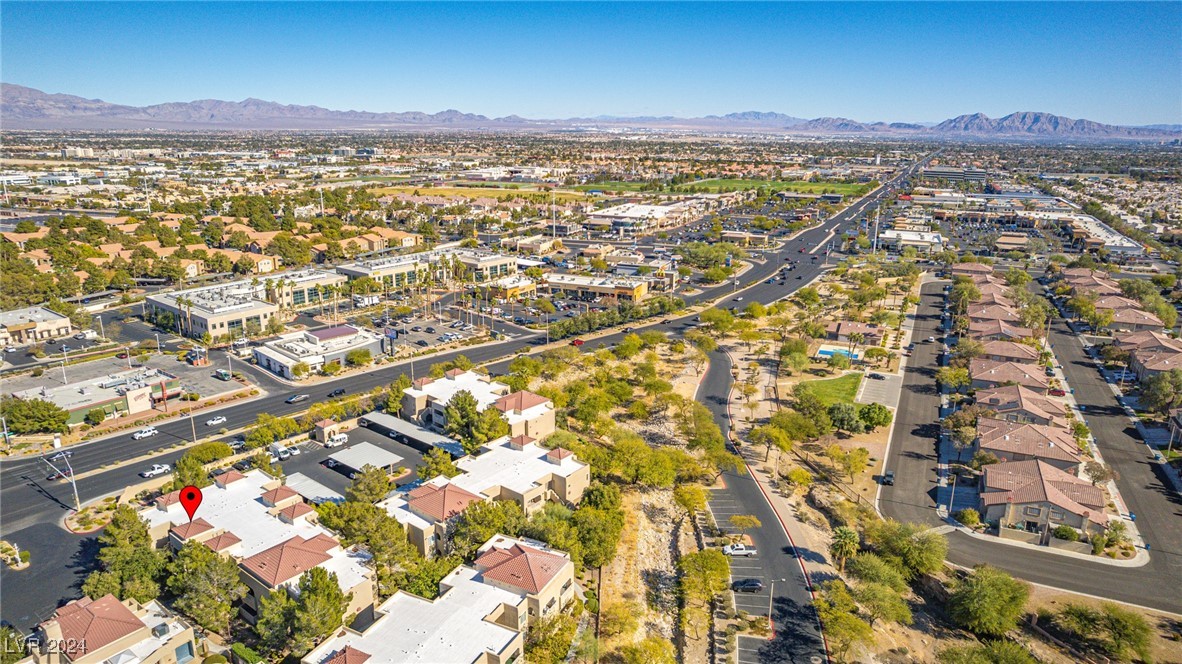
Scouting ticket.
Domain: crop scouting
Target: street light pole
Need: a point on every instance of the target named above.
(102, 332)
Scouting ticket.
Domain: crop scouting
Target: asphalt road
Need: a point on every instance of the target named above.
(913, 458)
(797, 630)
(28, 503)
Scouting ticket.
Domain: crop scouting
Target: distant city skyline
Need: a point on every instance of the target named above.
(1118, 63)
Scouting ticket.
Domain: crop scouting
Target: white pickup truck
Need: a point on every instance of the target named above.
(739, 550)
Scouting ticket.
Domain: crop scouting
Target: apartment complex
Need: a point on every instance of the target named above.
(271, 533)
(426, 403)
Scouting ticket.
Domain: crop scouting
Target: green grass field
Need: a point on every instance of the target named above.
(837, 390)
(482, 192)
(611, 186)
(798, 186)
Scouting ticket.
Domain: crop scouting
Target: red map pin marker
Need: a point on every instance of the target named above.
(190, 500)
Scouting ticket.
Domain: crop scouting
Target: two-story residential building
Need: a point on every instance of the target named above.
(1015, 403)
(987, 374)
(1036, 497)
(426, 403)
(1021, 441)
(1009, 351)
(108, 631)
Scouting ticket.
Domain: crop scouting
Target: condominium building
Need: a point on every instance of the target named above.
(426, 403)
(108, 631)
(267, 529)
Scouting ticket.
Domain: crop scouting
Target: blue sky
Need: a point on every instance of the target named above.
(1118, 63)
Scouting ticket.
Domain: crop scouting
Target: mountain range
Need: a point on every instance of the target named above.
(27, 108)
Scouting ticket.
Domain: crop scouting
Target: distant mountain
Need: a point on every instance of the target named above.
(1031, 124)
(26, 108)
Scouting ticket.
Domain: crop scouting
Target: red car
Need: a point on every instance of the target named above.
(122, 356)
(576, 342)
(1058, 393)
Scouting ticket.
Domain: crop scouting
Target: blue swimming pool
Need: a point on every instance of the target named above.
(826, 352)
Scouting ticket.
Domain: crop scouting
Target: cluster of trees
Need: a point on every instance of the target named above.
(1148, 293)
(897, 554)
(24, 416)
(622, 313)
(702, 576)
(470, 425)
(1109, 629)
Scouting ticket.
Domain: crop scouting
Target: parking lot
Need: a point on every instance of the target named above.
(310, 461)
(755, 603)
(885, 391)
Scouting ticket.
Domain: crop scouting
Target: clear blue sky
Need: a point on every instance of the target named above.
(1118, 63)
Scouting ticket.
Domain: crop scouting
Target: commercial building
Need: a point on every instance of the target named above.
(513, 287)
(227, 311)
(32, 324)
(409, 269)
(584, 287)
(271, 533)
(117, 394)
(315, 348)
(633, 218)
(301, 288)
(953, 174)
(923, 242)
(108, 631)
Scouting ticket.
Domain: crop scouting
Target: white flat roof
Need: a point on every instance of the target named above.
(501, 465)
(313, 491)
(238, 508)
(365, 454)
(451, 628)
(485, 391)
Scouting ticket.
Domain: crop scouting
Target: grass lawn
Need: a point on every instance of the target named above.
(612, 186)
(837, 390)
(798, 186)
(483, 192)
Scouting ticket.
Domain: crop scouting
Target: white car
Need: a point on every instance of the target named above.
(145, 433)
(157, 470)
(739, 550)
(214, 421)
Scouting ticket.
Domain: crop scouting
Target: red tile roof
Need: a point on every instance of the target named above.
(94, 624)
(194, 527)
(288, 560)
(519, 401)
(521, 567)
(279, 494)
(348, 655)
(295, 511)
(229, 477)
(440, 502)
(1021, 482)
(223, 541)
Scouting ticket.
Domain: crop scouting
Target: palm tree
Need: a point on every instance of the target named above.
(845, 544)
(855, 338)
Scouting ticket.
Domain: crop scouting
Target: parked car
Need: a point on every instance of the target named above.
(340, 391)
(876, 376)
(1058, 392)
(888, 478)
(156, 470)
(747, 586)
(739, 550)
(146, 432)
(238, 444)
(577, 342)
(296, 398)
(214, 421)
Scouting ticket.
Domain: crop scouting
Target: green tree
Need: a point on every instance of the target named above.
(469, 425)
(599, 530)
(358, 358)
(129, 563)
(1162, 392)
(881, 602)
(1127, 633)
(549, 639)
(437, 462)
(95, 416)
(206, 585)
(691, 498)
(720, 321)
(874, 415)
(843, 629)
(989, 602)
(482, 520)
(912, 548)
(276, 621)
(319, 610)
(953, 378)
(619, 618)
(869, 568)
(844, 545)
(990, 652)
(33, 416)
(845, 418)
(369, 486)
(838, 362)
(770, 436)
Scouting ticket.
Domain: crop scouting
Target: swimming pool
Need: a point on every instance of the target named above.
(830, 352)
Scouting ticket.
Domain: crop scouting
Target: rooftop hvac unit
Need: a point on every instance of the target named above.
(160, 630)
